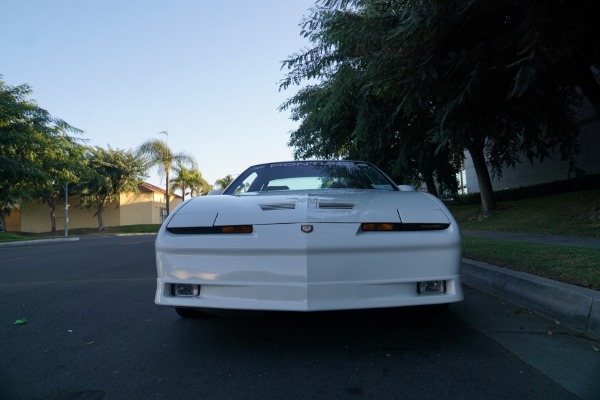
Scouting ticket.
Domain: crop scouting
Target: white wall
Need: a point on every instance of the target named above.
(526, 173)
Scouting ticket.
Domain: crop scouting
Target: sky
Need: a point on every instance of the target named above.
(207, 72)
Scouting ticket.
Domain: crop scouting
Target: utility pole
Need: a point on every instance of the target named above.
(67, 209)
(167, 171)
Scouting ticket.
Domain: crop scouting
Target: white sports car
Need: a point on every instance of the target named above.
(308, 236)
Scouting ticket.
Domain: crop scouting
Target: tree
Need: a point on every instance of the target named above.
(181, 179)
(155, 152)
(64, 164)
(30, 138)
(497, 78)
(189, 178)
(224, 182)
(346, 116)
(339, 122)
(198, 185)
(112, 172)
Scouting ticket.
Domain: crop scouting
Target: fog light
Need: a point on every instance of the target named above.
(431, 287)
(186, 290)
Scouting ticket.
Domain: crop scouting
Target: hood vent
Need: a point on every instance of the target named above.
(278, 206)
(336, 206)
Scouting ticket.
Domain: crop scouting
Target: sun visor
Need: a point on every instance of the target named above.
(192, 220)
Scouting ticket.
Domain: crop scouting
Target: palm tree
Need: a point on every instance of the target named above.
(157, 153)
(198, 185)
(224, 182)
(189, 178)
(181, 178)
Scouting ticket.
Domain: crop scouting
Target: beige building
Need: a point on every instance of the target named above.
(145, 207)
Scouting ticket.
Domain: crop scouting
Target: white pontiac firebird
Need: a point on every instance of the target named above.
(309, 236)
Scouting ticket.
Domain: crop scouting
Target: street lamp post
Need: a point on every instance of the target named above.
(167, 171)
(67, 209)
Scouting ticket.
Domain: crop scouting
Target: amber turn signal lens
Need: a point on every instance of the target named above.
(377, 227)
(235, 229)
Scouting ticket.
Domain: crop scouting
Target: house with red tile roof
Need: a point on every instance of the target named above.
(147, 206)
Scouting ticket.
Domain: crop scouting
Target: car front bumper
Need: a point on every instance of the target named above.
(335, 267)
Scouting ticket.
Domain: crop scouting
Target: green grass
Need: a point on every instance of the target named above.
(573, 214)
(142, 228)
(575, 265)
(11, 237)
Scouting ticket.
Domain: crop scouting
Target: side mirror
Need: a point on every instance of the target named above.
(406, 188)
(214, 192)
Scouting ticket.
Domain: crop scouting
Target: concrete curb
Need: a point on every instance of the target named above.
(574, 307)
(32, 242)
(71, 239)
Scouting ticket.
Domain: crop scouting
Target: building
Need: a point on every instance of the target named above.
(526, 173)
(145, 207)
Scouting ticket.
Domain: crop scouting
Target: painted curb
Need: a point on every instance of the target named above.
(574, 307)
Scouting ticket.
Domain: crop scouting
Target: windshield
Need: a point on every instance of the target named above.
(310, 175)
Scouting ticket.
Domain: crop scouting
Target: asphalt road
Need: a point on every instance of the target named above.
(93, 332)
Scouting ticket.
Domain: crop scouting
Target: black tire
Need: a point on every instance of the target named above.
(186, 312)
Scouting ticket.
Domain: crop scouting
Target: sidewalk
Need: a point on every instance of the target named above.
(572, 306)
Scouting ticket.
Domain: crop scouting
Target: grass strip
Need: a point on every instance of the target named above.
(575, 265)
(10, 237)
(142, 228)
(572, 214)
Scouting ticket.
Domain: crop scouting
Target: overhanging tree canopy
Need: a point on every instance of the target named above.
(497, 78)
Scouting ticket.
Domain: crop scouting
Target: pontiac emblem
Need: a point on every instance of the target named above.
(306, 228)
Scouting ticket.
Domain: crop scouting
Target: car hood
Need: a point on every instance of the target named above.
(302, 207)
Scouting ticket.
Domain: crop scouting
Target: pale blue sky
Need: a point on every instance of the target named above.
(122, 71)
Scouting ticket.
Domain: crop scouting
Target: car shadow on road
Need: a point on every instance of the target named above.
(381, 329)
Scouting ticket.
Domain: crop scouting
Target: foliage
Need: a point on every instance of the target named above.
(64, 166)
(198, 185)
(189, 179)
(414, 83)
(112, 172)
(224, 182)
(35, 148)
(157, 153)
